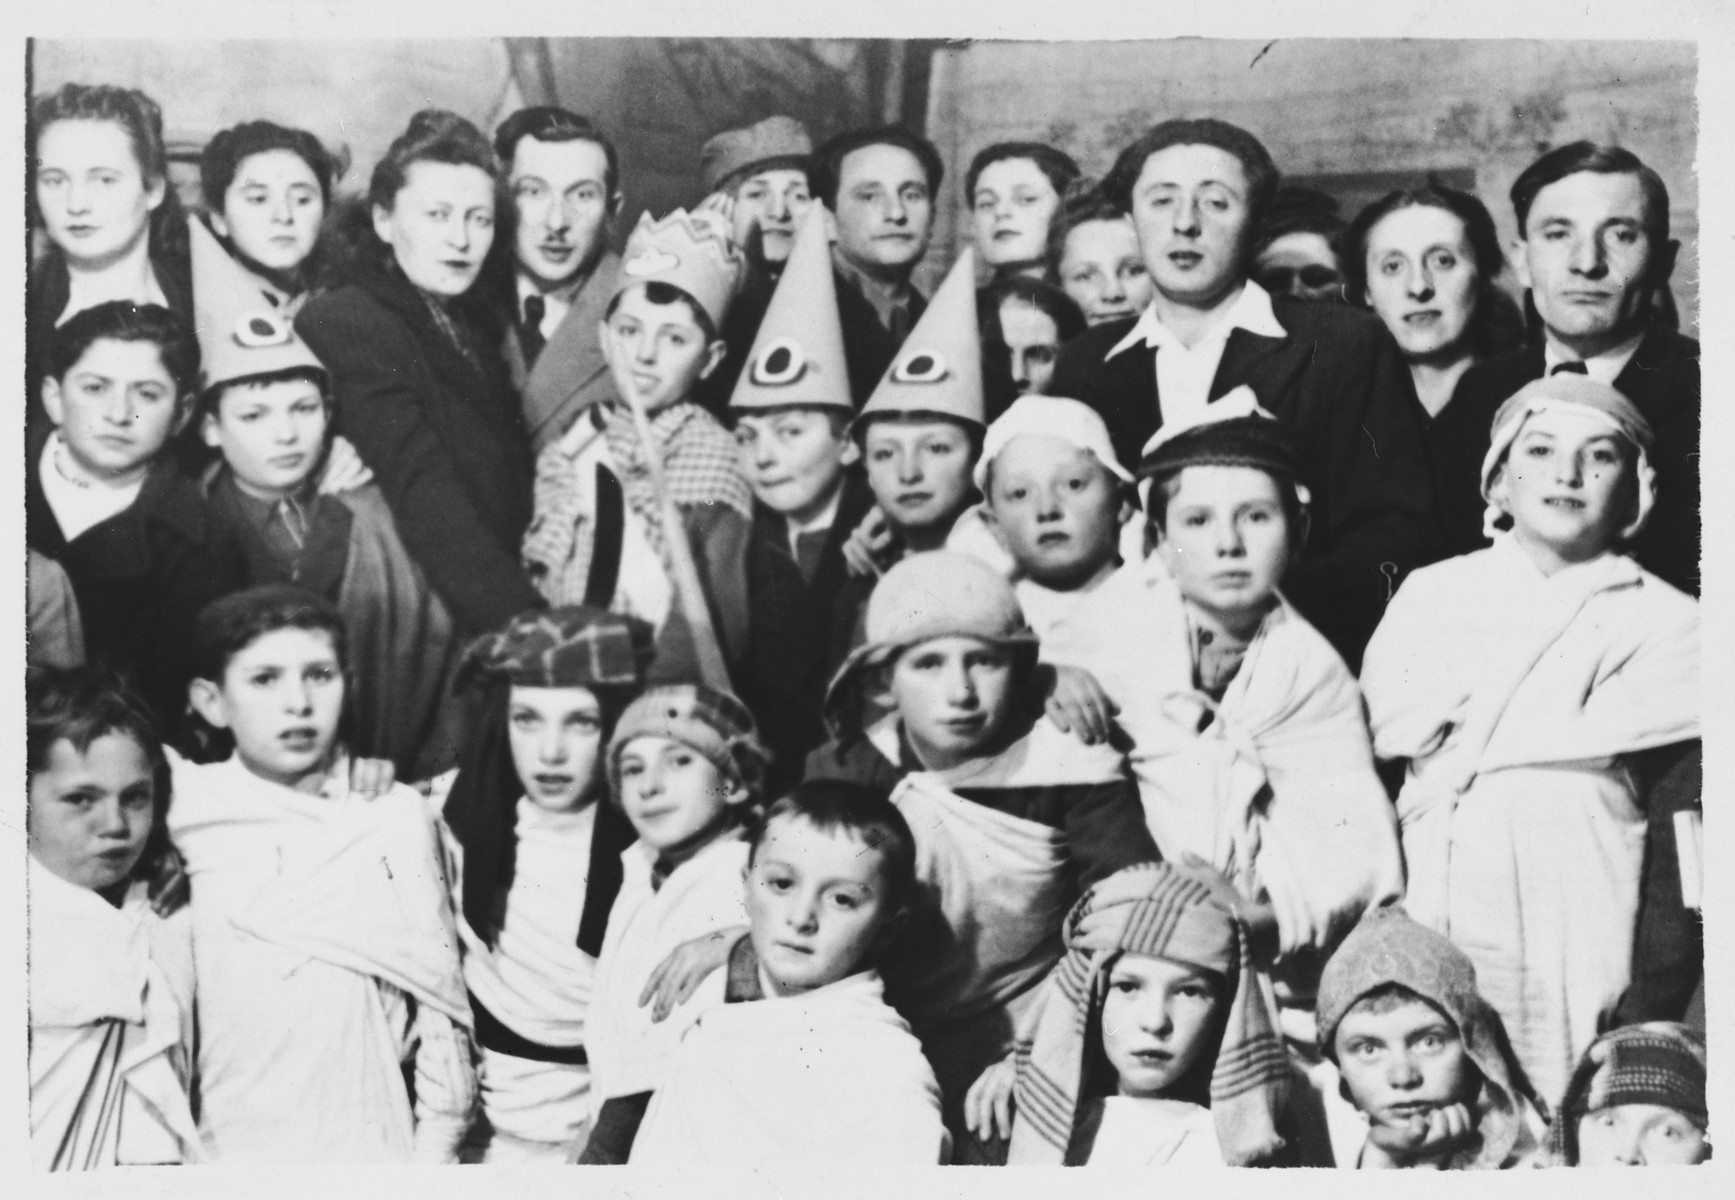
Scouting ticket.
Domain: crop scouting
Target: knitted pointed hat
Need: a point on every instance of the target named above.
(688, 250)
(797, 356)
(939, 367)
(241, 334)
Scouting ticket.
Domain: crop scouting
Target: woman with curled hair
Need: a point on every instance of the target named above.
(418, 384)
(267, 188)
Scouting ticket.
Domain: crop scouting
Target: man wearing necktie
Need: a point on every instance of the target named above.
(562, 173)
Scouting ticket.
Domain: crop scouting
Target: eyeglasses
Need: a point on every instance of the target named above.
(1313, 277)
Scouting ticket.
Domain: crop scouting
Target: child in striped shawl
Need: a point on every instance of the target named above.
(1152, 1043)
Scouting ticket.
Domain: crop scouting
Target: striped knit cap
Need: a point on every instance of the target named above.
(1659, 1062)
(1164, 911)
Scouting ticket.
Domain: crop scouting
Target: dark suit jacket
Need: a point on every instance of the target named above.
(794, 643)
(1340, 383)
(445, 439)
(570, 374)
(1662, 381)
(141, 577)
(868, 346)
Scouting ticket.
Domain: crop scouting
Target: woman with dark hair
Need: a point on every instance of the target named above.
(100, 193)
(1024, 322)
(1426, 260)
(1014, 190)
(1096, 258)
(417, 379)
(266, 188)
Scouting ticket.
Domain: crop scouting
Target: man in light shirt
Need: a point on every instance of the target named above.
(1198, 191)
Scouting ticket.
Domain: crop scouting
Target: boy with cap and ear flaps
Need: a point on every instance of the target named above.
(1518, 682)
(1013, 817)
(527, 811)
(265, 404)
(792, 416)
(598, 535)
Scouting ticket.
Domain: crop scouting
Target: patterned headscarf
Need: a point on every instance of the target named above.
(1659, 1062)
(1170, 912)
(700, 463)
(573, 646)
(1389, 946)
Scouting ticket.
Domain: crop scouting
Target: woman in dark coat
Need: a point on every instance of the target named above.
(417, 380)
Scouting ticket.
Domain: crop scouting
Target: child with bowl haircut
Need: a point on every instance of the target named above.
(792, 413)
(597, 536)
(1152, 1043)
(1246, 729)
(105, 499)
(685, 764)
(1517, 682)
(1636, 1099)
(1421, 1055)
(322, 931)
(1013, 817)
(265, 404)
(534, 864)
(111, 963)
(805, 1061)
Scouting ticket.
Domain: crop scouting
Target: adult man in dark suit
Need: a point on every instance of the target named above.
(879, 185)
(563, 173)
(1197, 191)
(1593, 249)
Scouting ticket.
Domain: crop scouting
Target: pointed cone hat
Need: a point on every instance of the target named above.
(240, 333)
(797, 357)
(939, 367)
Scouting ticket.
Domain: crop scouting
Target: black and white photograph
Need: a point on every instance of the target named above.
(795, 601)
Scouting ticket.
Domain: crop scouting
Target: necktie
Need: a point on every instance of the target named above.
(899, 326)
(809, 549)
(1570, 368)
(530, 333)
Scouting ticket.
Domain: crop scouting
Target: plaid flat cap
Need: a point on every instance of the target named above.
(573, 646)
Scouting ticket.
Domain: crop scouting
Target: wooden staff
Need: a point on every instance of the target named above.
(688, 590)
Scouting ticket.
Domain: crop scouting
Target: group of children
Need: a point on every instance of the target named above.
(1054, 834)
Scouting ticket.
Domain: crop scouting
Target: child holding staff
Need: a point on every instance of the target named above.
(1516, 681)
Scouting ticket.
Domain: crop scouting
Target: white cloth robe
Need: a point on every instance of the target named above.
(1153, 1132)
(111, 1029)
(1281, 781)
(1515, 696)
(831, 1076)
(327, 960)
(629, 1053)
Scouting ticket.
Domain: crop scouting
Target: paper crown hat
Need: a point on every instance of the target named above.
(241, 334)
(797, 357)
(939, 367)
(688, 250)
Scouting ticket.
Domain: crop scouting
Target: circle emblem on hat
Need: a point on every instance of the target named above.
(922, 366)
(262, 328)
(782, 361)
(650, 262)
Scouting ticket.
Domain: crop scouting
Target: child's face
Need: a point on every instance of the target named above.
(91, 812)
(1568, 483)
(816, 903)
(954, 695)
(1639, 1135)
(115, 407)
(1401, 1064)
(281, 697)
(656, 350)
(675, 797)
(1157, 1019)
(794, 459)
(1057, 508)
(556, 739)
(920, 473)
(270, 434)
(273, 209)
(1226, 540)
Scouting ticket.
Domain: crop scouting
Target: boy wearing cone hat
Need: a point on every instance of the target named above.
(264, 404)
(598, 536)
(792, 415)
